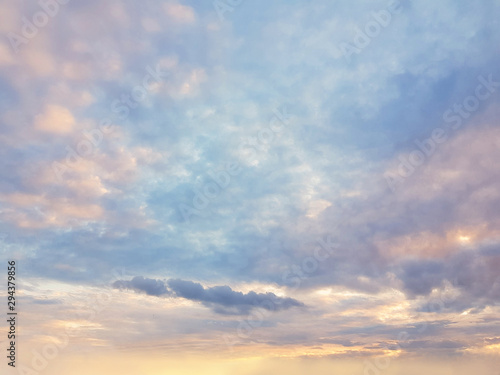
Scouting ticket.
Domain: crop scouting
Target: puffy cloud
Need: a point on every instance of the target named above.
(180, 13)
(55, 119)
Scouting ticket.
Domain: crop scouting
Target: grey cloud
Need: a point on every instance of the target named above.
(419, 277)
(429, 344)
(344, 342)
(222, 299)
(473, 272)
(151, 287)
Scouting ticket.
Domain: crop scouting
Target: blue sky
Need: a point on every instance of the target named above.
(269, 181)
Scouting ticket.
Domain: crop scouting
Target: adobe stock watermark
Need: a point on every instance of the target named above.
(223, 6)
(295, 274)
(30, 28)
(42, 356)
(379, 21)
(221, 179)
(293, 278)
(121, 108)
(377, 365)
(253, 145)
(454, 118)
(210, 191)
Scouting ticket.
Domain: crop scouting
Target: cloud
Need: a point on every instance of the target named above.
(151, 287)
(180, 13)
(420, 277)
(55, 119)
(222, 299)
(323, 174)
(226, 297)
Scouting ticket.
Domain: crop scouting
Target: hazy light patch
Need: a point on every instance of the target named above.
(324, 292)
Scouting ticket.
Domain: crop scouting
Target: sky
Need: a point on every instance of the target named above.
(251, 187)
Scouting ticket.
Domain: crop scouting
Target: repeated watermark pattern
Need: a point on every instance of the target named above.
(221, 7)
(121, 108)
(31, 26)
(377, 365)
(454, 118)
(220, 180)
(293, 277)
(372, 29)
(48, 352)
